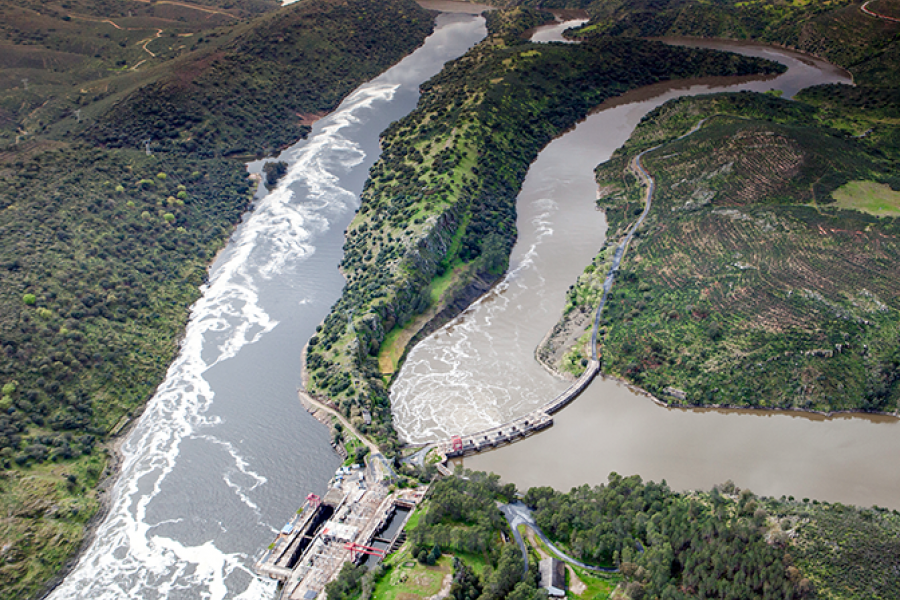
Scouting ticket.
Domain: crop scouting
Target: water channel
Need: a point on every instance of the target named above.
(479, 370)
(224, 453)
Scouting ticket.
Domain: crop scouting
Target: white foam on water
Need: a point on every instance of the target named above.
(135, 556)
(127, 558)
(460, 379)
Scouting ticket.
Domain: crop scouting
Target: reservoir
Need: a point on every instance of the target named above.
(479, 371)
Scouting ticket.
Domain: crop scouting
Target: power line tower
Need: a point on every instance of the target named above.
(147, 147)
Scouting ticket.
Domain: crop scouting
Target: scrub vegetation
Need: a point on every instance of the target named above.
(749, 284)
(103, 247)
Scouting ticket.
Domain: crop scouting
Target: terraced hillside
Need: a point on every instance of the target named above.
(749, 284)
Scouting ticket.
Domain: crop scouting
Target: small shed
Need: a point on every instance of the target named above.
(553, 577)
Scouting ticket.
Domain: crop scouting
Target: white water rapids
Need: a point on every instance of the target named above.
(224, 453)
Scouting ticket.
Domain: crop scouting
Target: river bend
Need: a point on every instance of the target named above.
(480, 371)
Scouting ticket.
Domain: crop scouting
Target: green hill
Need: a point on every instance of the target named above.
(749, 284)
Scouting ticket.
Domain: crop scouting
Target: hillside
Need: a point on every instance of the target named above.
(103, 247)
(62, 63)
(437, 219)
(750, 284)
(836, 30)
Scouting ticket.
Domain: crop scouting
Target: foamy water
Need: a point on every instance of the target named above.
(224, 453)
(462, 400)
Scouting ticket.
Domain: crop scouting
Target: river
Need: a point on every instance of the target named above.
(479, 370)
(224, 453)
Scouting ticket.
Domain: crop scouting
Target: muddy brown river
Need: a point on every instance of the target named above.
(479, 370)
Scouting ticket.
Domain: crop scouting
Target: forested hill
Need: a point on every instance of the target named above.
(250, 94)
(103, 247)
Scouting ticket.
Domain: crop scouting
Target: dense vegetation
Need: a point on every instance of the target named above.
(63, 63)
(438, 212)
(103, 248)
(725, 543)
(748, 284)
(462, 518)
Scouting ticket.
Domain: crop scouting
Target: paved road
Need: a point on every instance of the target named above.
(871, 13)
(381, 463)
(620, 251)
(517, 514)
(645, 178)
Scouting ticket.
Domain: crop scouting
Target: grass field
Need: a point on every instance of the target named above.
(408, 579)
(870, 197)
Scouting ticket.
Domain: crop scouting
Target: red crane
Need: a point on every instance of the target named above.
(358, 549)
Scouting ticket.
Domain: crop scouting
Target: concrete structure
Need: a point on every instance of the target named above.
(553, 577)
(344, 525)
(514, 430)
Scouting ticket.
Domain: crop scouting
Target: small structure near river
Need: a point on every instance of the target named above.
(356, 520)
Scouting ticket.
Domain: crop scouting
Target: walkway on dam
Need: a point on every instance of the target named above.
(518, 428)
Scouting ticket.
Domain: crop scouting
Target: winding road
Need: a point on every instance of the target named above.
(647, 180)
(517, 513)
(620, 251)
(871, 13)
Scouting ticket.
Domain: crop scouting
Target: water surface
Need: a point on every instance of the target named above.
(224, 453)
